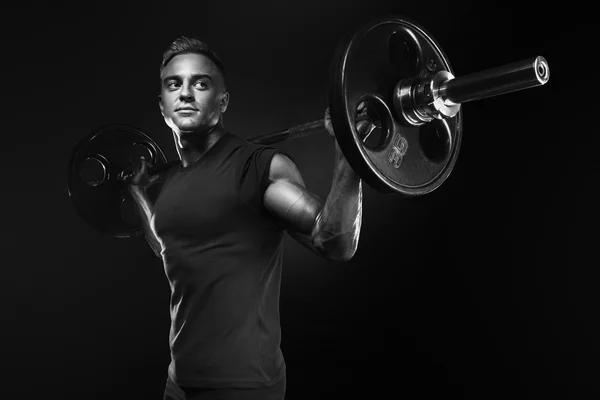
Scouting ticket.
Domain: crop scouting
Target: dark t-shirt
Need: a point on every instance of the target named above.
(222, 253)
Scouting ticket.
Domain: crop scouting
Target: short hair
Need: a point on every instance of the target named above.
(186, 45)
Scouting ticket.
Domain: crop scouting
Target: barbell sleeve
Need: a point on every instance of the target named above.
(440, 95)
(496, 81)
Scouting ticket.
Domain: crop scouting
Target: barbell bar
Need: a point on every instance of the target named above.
(419, 100)
(391, 65)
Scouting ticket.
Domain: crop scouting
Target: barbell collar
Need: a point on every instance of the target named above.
(418, 100)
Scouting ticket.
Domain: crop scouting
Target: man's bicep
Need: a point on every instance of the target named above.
(287, 199)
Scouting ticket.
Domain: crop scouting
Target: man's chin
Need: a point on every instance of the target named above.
(184, 127)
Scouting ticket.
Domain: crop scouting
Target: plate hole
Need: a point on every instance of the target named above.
(369, 125)
(93, 171)
(435, 142)
(402, 55)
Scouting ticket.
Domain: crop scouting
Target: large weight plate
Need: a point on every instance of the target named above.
(407, 160)
(98, 196)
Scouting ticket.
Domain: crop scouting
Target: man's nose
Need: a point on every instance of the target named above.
(186, 94)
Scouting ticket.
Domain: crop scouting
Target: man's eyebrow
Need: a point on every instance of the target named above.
(195, 77)
(202, 76)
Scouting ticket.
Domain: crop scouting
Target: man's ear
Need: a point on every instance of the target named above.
(224, 103)
(161, 105)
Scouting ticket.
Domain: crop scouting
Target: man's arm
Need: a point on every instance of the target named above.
(144, 207)
(330, 228)
(137, 190)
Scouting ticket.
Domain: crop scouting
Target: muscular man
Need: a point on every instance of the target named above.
(218, 225)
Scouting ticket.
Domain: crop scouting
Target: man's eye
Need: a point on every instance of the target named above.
(201, 84)
(172, 85)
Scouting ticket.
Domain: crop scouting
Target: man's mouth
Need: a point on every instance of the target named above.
(186, 109)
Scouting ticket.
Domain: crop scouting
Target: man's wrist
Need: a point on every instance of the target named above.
(136, 189)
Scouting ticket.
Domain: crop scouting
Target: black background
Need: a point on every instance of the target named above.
(485, 288)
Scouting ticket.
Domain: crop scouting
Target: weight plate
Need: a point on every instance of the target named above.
(407, 160)
(98, 196)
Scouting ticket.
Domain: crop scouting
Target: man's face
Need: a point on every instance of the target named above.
(193, 95)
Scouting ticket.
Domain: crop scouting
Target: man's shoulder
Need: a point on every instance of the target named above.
(244, 141)
(247, 147)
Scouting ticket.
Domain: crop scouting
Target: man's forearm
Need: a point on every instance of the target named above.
(337, 228)
(144, 207)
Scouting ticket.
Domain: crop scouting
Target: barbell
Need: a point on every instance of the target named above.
(391, 65)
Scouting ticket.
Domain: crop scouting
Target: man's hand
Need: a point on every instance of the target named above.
(364, 126)
(328, 125)
(141, 179)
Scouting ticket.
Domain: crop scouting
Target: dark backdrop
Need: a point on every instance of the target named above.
(485, 288)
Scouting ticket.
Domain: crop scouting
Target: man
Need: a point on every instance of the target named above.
(218, 225)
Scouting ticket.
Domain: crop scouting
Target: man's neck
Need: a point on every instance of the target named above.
(191, 147)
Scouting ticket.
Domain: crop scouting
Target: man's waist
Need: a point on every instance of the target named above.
(227, 365)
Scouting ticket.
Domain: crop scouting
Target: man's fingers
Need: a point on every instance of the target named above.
(361, 125)
(146, 165)
(364, 128)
